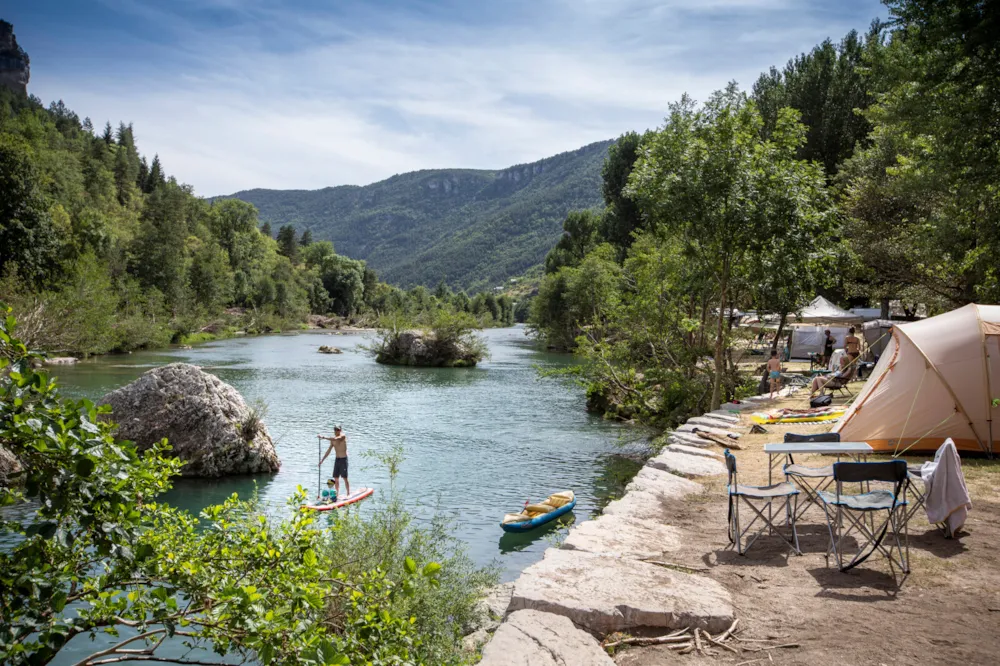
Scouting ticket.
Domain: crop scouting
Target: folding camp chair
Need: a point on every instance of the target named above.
(860, 510)
(766, 495)
(840, 383)
(810, 480)
(915, 490)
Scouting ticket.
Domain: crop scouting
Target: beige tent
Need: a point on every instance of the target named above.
(936, 379)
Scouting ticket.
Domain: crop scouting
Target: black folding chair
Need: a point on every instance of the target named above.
(766, 495)
(810, 480)
(861, 508)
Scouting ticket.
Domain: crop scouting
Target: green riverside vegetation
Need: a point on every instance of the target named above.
(867, 171)
(90, 553)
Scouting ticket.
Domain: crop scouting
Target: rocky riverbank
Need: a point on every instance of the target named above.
(613, 574)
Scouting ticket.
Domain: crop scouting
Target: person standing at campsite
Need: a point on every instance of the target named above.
(852, 344)
(338, 443)
(828, 344)
(774, 372)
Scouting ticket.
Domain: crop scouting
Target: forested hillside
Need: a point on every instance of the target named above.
(471, 228)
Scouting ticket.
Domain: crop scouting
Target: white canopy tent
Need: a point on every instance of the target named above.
(809, 339)
(822, 311)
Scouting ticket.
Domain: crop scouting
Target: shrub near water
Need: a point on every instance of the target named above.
(443, 338)
(91, 554)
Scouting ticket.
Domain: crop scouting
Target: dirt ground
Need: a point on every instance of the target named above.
(947, 611)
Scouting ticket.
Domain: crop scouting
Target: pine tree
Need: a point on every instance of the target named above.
(109, 134)
(155, 178)
(143, 174)
(286, 243)
(307, 238)
(88, 126)
(266, 229)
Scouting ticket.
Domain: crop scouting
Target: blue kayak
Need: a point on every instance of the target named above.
(536, 515)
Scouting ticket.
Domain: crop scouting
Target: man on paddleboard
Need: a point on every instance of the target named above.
(338, 443)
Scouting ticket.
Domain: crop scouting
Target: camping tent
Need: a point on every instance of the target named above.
(807, 339)
(877, 334)
(937, 379)
(822, 311)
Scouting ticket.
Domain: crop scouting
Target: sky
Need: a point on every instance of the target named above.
(300, 94)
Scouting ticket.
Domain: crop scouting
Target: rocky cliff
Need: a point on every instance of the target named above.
(14, 62)
(206, 421)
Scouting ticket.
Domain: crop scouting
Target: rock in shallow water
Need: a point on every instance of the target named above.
(206, 421)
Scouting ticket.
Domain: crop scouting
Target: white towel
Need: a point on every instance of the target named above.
(947, 499)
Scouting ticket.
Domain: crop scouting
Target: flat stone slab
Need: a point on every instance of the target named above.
(686, 464)
(623, 536)
(689, 438)
(694, 451)
(605, 594)
(712, 422)
(648, 492)
(722, 432)
(725, 415)
(662, 484)
(533, 638)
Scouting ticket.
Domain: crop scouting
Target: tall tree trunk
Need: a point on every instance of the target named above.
(885, 308)
(781, 328)
(720, 359)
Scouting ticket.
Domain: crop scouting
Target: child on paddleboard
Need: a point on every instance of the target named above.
(338, 443)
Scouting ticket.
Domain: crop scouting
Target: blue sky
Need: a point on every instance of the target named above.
(236, 94)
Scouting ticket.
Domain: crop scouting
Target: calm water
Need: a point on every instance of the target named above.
(478, 442)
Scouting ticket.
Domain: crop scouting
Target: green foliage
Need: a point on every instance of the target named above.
(92, 554)
(448, 338)
(474, 229)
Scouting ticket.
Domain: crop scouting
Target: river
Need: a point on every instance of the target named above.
(477, 442)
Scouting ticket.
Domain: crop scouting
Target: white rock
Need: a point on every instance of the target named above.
(637, 504)
(694, 444)
(623, 536)
(725, 415)
(713, 422)
(605, 594)
(661, 484)
(472, 642)
(694, 451)
(533, 638)
(687, 427)
(686, 464)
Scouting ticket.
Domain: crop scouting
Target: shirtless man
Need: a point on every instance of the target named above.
(774, 372)
(852, 344)
(338, 443)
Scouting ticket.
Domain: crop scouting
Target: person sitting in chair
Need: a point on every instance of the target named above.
(820, 381)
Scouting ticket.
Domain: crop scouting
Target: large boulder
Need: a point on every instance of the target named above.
(10, 467)
(206, 421)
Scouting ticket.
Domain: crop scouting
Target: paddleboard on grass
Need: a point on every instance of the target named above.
(356, 496)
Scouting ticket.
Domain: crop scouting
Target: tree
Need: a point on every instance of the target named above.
(307, 238)
(211, 279)
(579, 237)
(156, 177)
(709, 179)
(160, 260)
(622, 217)
(266, 229)
(286, 243)
(27, 235)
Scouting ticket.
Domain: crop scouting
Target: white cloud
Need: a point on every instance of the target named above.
(354, 104)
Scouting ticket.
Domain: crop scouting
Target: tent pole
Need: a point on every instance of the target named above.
(319, 464)
(989, 388)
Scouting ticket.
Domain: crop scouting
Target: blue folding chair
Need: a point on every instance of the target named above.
(766, 495)
(860, 510)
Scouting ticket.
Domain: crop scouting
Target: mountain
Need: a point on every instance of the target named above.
(472, 228)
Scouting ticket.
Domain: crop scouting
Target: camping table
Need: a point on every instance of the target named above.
(856, 450)
(775, 452)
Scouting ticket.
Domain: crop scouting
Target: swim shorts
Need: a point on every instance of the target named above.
(340, 468)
